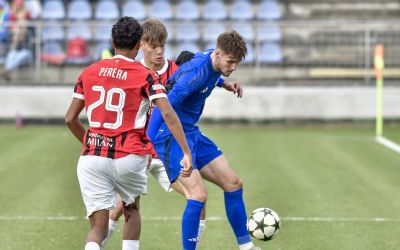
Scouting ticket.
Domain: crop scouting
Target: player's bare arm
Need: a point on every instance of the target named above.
(72, 118)
(234, 87)
(175, 126)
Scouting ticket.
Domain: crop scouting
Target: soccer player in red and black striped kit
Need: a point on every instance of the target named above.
(116, 93)
(153, 46)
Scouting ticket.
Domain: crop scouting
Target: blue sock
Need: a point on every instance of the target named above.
(190, 224)
(236, 213)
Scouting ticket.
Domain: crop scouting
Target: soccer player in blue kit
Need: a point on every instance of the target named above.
(192, 83)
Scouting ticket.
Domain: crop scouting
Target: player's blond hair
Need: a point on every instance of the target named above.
(154, 32)
(233, 44)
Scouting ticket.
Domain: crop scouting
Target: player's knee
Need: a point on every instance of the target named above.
(199, 195)
(233, 185)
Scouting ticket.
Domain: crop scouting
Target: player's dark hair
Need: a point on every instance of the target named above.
(183, 57)
(232, 43)
(154, 32)
(126, 33)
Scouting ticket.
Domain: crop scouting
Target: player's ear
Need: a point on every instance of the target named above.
(218, 52)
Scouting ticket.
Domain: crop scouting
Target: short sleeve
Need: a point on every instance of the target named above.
(220, 82)
(154, 88)
(78, 90)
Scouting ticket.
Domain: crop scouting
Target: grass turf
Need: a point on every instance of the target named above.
(309, 172)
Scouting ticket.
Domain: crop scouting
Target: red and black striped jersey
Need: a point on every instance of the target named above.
(164, 73)
(117, 94)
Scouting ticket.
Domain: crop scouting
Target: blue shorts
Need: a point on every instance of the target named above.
(203, 151)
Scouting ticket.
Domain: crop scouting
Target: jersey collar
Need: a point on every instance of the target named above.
(162, 70)
(123, 57)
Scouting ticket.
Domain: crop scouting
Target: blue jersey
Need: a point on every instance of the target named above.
(192, 83)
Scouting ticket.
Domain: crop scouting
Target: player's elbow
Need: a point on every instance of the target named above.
(69, 119)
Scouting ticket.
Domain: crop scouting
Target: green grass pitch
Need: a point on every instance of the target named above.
(335, 181)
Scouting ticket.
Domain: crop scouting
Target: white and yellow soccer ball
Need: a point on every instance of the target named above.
(263, 224)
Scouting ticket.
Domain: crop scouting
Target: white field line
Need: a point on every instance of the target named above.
(176, 218)
(388, 143)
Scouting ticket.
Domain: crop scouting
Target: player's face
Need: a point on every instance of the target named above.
(153, 54)
(227, 64)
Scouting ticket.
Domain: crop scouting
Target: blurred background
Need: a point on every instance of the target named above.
(307, 59)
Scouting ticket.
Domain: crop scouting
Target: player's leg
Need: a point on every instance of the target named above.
(202, 224)
(157, 170)
(131, 182)
(95, 176)
(192, 187)
(220, 173)
(132, 226)
(98, 229)
(216, 169)
(196, 195)
(115, 214)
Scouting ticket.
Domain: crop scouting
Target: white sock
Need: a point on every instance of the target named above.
(112, 225)
(92, 246)
(246, 246)
(202, 228)
(130, 245)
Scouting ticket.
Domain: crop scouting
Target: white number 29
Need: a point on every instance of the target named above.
(108, 106)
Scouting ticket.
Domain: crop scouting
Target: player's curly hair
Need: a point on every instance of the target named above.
(154, 32)
(232, 43)
(126, 33)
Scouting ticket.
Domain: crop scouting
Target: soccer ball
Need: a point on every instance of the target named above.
(263, 224)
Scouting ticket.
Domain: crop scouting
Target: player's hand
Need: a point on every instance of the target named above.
(234, 87)
(187, 166)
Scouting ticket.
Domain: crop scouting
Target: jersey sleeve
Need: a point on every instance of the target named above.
(78, 90)
(220, 82)
(154, 88)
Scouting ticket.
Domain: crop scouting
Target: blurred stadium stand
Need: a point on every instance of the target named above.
(290, 41)
(79, 9)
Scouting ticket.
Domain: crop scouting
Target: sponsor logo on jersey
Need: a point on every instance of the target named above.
(204, 90)
(99, 140)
